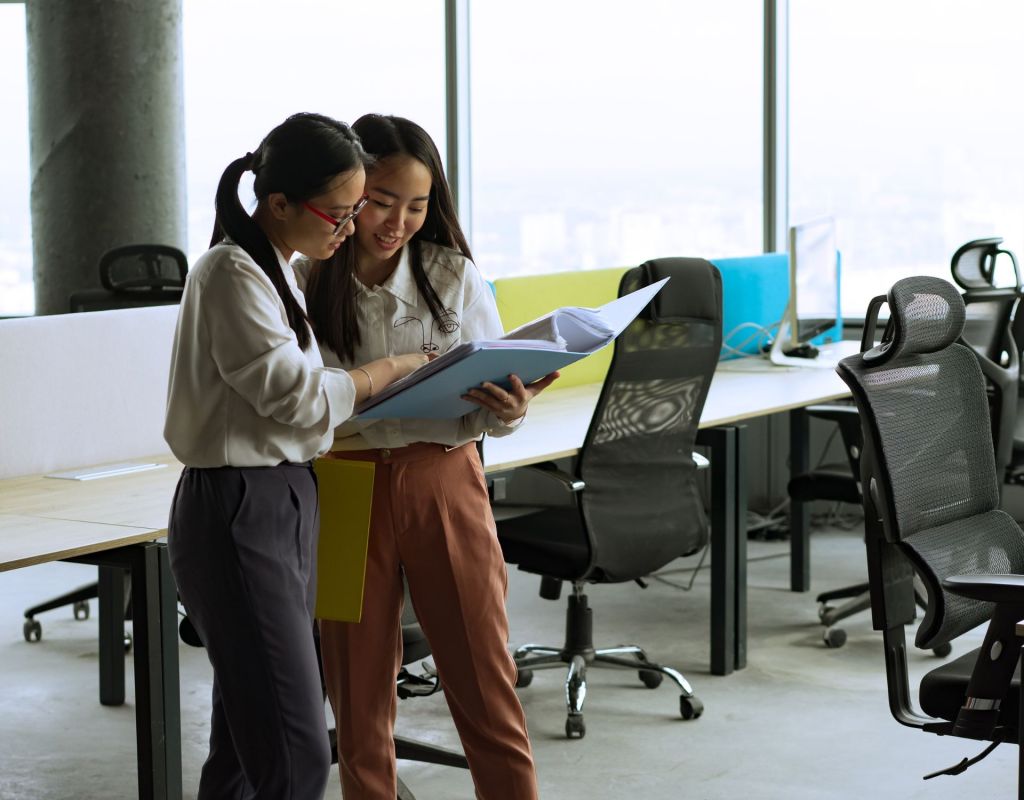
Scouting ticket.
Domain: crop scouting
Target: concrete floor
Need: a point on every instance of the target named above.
(802, 721)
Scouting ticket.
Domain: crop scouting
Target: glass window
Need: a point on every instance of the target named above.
(251, 63)
(604, 135)
(906, 123)
(16, 293)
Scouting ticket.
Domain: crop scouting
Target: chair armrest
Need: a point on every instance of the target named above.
(833, 411)
(569, 482)
(989, 588)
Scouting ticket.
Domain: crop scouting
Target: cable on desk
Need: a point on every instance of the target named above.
(763, 335)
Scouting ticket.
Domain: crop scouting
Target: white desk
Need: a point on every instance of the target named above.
(113, 522)
(740, 390)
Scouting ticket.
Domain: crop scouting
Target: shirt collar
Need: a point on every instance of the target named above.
(401, 283)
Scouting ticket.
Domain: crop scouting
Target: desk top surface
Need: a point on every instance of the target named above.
(47, 519)
(558, 419)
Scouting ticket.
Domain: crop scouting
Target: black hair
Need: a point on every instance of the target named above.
(330, 291)
(299, 158)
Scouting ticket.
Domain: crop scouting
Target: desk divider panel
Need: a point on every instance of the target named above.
(81, 389)
(523, 298)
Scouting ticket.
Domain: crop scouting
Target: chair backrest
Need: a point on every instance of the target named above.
(988, 331)
(927, 468)
(143, 268)
(641, 506)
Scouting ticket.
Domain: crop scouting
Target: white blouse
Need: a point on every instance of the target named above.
(241, 391)
(395, 320)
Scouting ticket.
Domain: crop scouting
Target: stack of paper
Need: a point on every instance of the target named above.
(531, 351)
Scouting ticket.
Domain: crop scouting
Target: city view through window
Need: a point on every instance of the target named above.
(604, 139)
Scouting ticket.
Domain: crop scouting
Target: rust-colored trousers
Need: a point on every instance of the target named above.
(431, 520)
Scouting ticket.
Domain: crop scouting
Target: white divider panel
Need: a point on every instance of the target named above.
(82, 389)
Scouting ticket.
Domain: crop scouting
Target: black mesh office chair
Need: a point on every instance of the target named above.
(987, 330)
(931, 506)
(633, 502)
(135, 275)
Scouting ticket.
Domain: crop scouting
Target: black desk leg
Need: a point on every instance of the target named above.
(157, 685)
(739, 460)
(799, 513)
(722, 442)
(110, 595)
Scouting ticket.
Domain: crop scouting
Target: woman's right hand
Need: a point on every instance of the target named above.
(407, 364)
(370, 378)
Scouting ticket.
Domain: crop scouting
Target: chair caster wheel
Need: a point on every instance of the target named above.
(524, 677)
(943, 650)
(80, 609)
(650, 678)
(33, 630)
(575, 727)
(834, 637)
(690, 707)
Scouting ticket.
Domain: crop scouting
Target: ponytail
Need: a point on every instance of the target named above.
(232, 222)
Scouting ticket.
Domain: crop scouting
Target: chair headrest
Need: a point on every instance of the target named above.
(927, 316)
(972, 265)
(694, 291)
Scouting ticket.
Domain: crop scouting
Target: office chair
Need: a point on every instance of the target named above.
(633, 503)
(987, 331)
(135, 275)
(931, 507)
(132, 276)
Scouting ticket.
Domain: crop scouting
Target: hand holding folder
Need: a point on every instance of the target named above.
(531, 351)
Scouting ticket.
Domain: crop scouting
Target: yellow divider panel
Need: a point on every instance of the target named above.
(346, 495)
(526, 297)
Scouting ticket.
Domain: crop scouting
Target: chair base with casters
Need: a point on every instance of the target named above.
(78, 599)
(580, 654)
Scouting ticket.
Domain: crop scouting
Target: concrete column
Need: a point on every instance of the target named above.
(107, 136)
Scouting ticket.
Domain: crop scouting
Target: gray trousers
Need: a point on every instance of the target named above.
(242, 550)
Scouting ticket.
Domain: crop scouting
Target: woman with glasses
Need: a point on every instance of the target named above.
(405, 281)
(249, 405)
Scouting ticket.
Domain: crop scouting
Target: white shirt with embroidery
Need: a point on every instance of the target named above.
(395, 320)
(241, 391)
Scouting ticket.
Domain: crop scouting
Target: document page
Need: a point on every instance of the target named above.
(584, 330)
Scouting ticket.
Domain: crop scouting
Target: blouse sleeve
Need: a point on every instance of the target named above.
(258, 355)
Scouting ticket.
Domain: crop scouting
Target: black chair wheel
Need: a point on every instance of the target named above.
(690, 707)
(943, 650)
(575, 727)
(127, 642)
(524, 677)
(80, 609)
(651, 678)
(33, 630)
(188, 633)
(834, 637)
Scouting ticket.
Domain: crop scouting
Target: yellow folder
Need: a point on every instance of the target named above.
(346, 495)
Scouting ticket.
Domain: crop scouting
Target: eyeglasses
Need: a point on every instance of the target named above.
(339, 223)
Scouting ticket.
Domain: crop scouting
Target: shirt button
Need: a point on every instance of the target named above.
(385, 453)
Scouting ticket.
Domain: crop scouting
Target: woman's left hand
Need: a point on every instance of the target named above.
(508, 405)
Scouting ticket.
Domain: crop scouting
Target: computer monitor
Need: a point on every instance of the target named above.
(813, 307)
